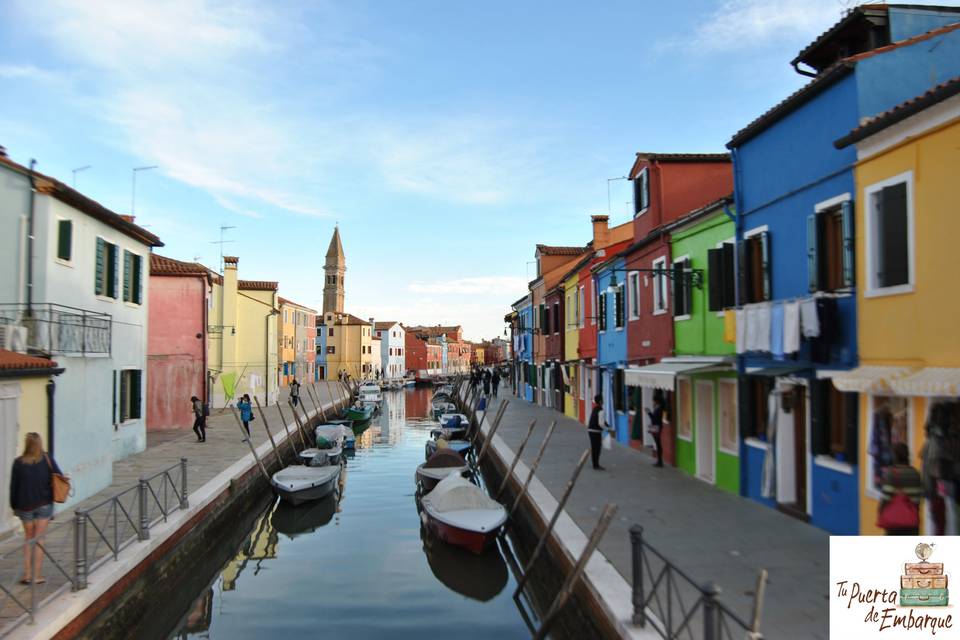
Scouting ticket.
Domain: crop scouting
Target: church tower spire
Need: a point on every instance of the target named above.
(334, 268)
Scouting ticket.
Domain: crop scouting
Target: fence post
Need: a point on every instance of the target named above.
(80, 550)
(710, 620)
(142, 490)
(184, 502)
(636, 544)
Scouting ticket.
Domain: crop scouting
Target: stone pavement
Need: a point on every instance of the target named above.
(707, 533)
(223, 448)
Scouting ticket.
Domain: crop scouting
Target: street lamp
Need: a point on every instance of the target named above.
(133, 192)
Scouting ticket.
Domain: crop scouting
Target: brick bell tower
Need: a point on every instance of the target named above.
(333, 268)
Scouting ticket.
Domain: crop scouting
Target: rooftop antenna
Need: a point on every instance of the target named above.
(609, 180)
(78, 170)
(222, 242)
(133, 191)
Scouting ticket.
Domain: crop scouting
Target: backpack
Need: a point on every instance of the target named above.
(206, 410)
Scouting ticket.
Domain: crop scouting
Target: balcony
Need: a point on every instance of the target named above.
(54, 329)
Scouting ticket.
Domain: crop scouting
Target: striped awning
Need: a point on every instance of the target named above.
(662, 374)
(869, 379)
(932, 381)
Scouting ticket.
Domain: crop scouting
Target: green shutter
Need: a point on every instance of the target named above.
(846, 212)
(813, 252)
(124, 413)
(113, 270)
(138, 279)
(113, 396)
(64, 239)
(136, 378)
(127, 275)
(101, 265)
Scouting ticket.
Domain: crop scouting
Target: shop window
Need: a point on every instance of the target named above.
(830, 248)
(729, 439)
(890, 234)
(753, 393)
(682, 291)
(891, 425)
(754, 255)
(721, 283)
(684, 409)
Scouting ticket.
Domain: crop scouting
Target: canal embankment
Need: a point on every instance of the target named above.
(223, 476)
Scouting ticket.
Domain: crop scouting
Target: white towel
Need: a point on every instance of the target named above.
(763, 326)
(809, 321)
(741, 319)
(791, 327)
(752, 340)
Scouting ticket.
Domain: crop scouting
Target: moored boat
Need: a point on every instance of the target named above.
(440, 465)
(359, 414)
(303, 483)
(462, 447)
(461, 514)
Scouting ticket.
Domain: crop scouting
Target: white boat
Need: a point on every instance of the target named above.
(302, 483)
(462, 514)
(336, 434)
(409, 382)
(369, 387)
(333, 454)
(444, 463)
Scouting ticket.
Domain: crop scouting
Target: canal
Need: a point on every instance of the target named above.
(362, 567)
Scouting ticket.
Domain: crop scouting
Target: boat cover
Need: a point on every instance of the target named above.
(444, 458)
(453, 493)
(297, 477)
(330, 432)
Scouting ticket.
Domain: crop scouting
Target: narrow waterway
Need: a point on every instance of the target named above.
(362, 567)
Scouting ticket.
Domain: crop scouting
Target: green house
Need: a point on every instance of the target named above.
(707, 435)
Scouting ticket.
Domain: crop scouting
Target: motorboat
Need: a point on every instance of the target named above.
(369, 387)
(462, 447)
(298, 484)
(370, 395)
(330, 439)
(454, 426)
(409, 382)
(360, 413)
(462, 514)
(440, 465)
(440, 408)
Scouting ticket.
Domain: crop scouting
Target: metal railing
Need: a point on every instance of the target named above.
(58, 329)
(676, 606)
(19, 602)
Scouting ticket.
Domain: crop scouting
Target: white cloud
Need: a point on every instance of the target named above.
(496, 285)
(27, 72)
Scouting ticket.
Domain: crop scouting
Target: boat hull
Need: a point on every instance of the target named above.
(309, 494)
(359, 415)
(474, 541)
(428, 482)
(463, 447)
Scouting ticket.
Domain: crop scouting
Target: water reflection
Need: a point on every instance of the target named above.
(306, 518)
(481, 577)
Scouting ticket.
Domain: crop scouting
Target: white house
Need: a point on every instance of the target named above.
(74, 286)
(392, 358)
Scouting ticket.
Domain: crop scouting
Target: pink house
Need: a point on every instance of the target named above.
(176, 341)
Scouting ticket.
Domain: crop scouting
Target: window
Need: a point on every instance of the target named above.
(752, 405)
(834, 420)
(132, 277)
(755, 267)
(618, 307)
(729, 440)
(64, 240)
(682, 291)
(594, 302)
(633, 294)
(130, 393)
(641, 191)
(331, 350)
(619, 391)
(890, 235)
(107, 269)
(659, 286)
(830, 246)
(684, 409)
(330, 332)
(602, 311)
(721, 285)
(556, 317)
(580, 308)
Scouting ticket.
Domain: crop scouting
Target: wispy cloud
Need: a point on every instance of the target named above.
(27, 72)
(470, 286)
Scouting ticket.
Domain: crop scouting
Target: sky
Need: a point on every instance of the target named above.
(445, 138)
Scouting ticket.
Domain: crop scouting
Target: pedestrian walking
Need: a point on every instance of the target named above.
(496, 382)
(199, 419)
(656, 426)
(902, 488)
(246, 412)
(295, 392)
(595, 431)
(486, 383)
(31, 497)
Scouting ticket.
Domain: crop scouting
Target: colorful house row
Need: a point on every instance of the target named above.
(783, 299)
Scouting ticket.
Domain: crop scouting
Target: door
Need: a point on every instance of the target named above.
(799, 402)
(9, 416)
(705, 429)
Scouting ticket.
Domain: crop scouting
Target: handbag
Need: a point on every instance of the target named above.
(59, 483)
(899, 513)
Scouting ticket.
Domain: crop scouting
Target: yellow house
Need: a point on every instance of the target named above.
(287, 334)
(571, 339)
(26, 392)
(349, 345)
(906, 229)
(297, 346)
(242, 337)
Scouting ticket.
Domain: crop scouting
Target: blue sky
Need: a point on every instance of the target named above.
(446, 138)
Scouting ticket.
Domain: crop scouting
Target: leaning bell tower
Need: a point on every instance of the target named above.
(333, 269)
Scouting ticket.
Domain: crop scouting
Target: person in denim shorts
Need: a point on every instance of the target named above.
(31, 497)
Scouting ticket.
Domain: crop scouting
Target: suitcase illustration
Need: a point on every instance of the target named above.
(928, 582)
(923, 568)
(923, 583)
(923, 597)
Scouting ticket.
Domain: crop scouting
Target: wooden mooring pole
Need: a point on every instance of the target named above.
(553, 521)
(313, 401)
(263, 416)
(488, 439)
(496, 419)
(283, 419)
(273, 444)
(296, 418)
(316, 400)
(516, 459)
(533, 469)
(758, 597)
(249, 442)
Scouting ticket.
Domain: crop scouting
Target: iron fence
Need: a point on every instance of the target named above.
(675, 605)
(57, 329)
(19, 600)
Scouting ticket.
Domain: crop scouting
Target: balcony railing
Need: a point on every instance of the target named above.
(56, 329)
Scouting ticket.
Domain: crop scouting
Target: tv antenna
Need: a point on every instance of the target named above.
(222, 242)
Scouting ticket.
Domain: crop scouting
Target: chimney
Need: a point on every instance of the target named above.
(127, 218)
(3, 151)
(371, 320)
(230, 302)
(601, 231)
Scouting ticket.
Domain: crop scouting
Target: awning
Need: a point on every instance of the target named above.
(662, 374)
(868, 378)
(932, 381)
(566, 378)
(774, 372)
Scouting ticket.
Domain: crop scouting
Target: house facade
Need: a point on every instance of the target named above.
(297, 346)
(392, 348)
(349, 348)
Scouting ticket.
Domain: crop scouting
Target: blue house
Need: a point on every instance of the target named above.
(609, 283)
(523, 347)
(320, 370)
(796, 317)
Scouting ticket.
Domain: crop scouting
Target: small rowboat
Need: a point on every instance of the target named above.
(462, 447)
(443, 463)
(359, 414)
(298, 483)
(461, 514)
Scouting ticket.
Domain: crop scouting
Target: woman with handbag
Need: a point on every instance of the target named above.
(35, 483)
(246, 412)
(902, 488)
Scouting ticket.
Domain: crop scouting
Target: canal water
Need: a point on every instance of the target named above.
(362, 567)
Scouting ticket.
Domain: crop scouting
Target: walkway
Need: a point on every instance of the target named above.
(708, 533)
(223, 448)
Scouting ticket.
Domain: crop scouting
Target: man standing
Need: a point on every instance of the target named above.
(496, 381)
(656, 426)
(595, 431)
(295, 392)
(199, 420)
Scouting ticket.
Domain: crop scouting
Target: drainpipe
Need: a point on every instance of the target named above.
(738, 225)
(51, 392)
(796, 67)
(33, 190)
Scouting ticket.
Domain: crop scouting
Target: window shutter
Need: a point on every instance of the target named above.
(687, 289)
(766, 264)
(124, 414)
(135, 392)
(743, 253)
(64, 239)
(715, 279)
(101, 265)
(729, 276)
(113, 396)
(679, 297)
(115, 269)
(745, 407)
(813, 252)
(819, 417)
(846, 213)
(127, 275)
(852, 413)
(138, 260)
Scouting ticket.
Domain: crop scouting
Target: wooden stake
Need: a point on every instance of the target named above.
(284, 420)
(296, 418)
(516, 459)
(249, 442)
(758, 603)
(489, 438)
(320, 411)
(316, 407)
(496, 419)
(553, 521)
(608, 512)
(273, 444)
(293, 449)
(533, 469)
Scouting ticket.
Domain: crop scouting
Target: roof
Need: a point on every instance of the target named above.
(256, 285)
(284, 301)
(547, 250)
(933, 33)
(577, 267)
(699, 212)
(382, 326)
(68, 195)
(349, 318)
(436, 330)
(12, 362)
(900, 112)
(335, 250)
(164, 266)
(684, 157)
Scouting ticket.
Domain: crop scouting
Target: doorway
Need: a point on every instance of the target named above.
(799, 404)
(705, 431)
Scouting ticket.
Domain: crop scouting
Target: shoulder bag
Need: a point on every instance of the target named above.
(900, 512)
(59, 483)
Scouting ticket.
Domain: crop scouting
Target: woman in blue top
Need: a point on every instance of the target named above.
(31, 497)
(246, 412)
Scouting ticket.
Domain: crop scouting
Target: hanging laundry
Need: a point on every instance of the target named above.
(763, 326)
(791, 327)
(776, 331)
(740, 318)
(809, 322)
(768, 474)
(753, 328)
(729, 326)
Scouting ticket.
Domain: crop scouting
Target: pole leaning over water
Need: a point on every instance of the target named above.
(553, 521)
(608, 512)
(276, 452)
(516, 459)
(496, 419)
(283, 419)
(489, 439)
(296, 418)
(249, 442)
(533, 469)
(318, 406)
